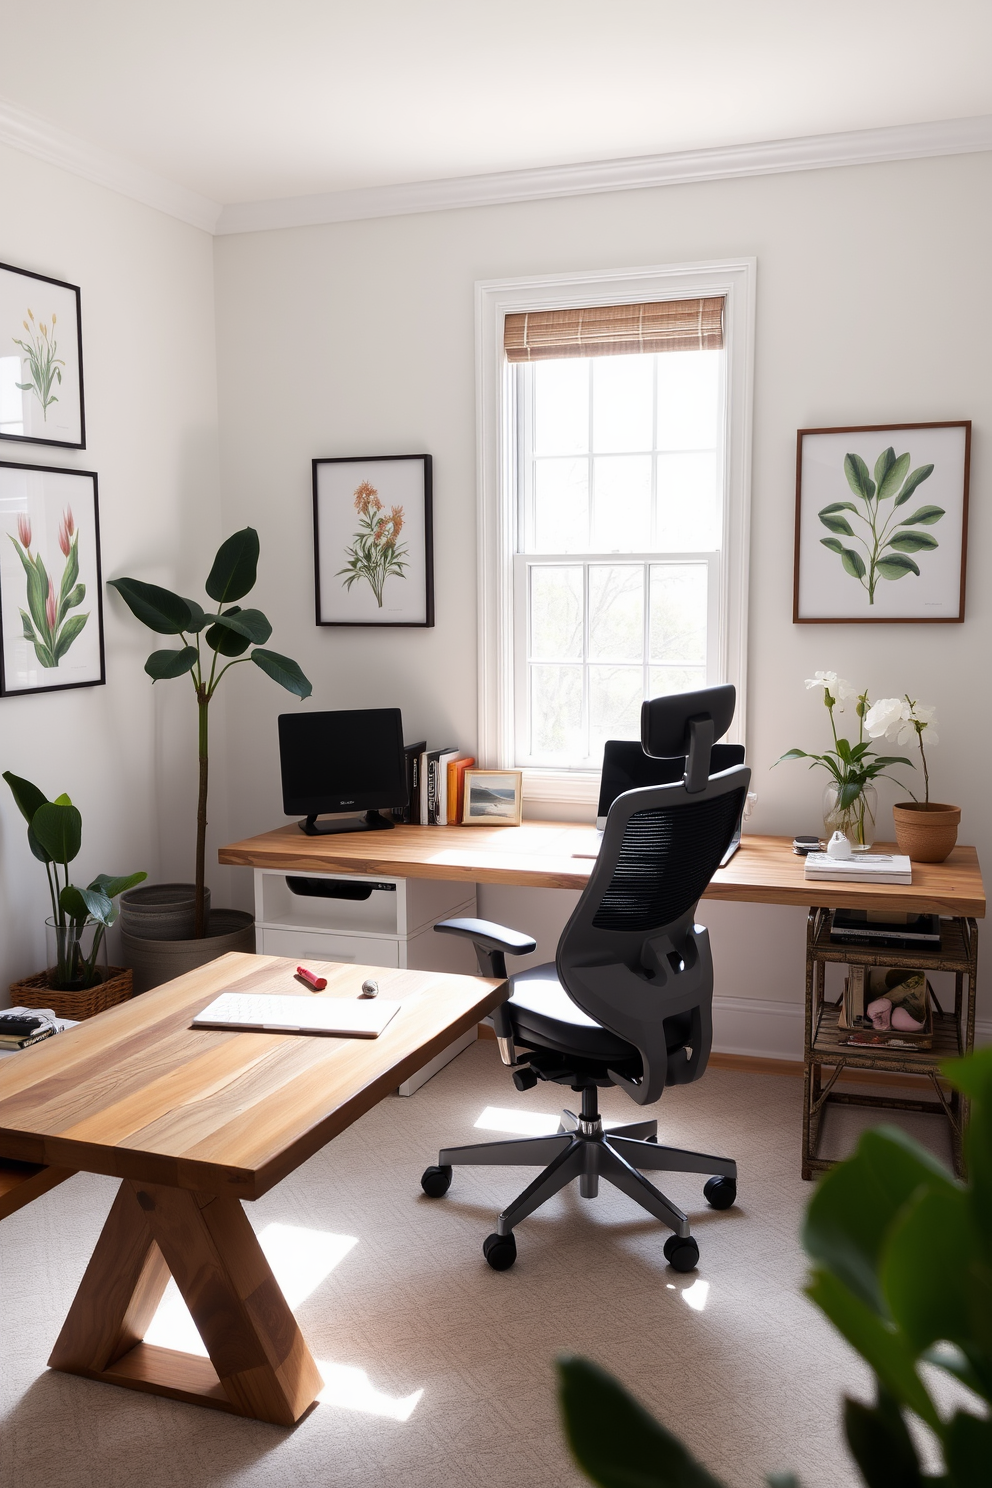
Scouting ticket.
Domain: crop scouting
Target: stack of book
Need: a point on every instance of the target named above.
(860, 868)
(885, 927)
(436, 781)
(21, 1027)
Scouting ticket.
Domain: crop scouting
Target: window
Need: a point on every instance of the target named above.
(614, 511)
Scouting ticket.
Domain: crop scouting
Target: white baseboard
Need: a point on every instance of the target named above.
(774, 1030)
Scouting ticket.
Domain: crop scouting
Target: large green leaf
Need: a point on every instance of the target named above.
(27, 796)
(100, 906)
(919, 475)
(161, 610)
(834, 523)
(858, 478)
(197, 619)
(250, 624)
(235, 567)
(925, 514)
(881, 1445)
(968, 1450)
(853, 562)
(893, 477)
(163, 664)
(59, 830)
(931, 1303)
(72, 903)
(896, 566)
(614, 1440)
(974, 1078)
(282, 670)
(112, 886)
(224, 640)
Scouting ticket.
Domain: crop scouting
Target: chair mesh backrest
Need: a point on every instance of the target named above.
(668, 856)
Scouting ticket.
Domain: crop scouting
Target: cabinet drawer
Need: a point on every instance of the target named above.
(320, 945)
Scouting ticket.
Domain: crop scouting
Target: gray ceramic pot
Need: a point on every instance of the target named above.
(162, 911)
(156, 961)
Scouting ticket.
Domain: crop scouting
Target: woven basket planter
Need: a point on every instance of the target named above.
(34, 992)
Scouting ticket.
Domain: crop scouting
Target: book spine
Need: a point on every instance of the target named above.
(432, 790)
(28, 1040)
(422, 789)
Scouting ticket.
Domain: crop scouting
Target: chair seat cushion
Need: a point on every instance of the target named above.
(543, 1014)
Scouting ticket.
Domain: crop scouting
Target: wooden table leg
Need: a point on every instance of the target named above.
(259, 1364)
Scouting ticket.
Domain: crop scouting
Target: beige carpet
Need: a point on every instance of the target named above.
(439, 1370)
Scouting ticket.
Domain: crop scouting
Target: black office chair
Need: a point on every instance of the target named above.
(628, 1000)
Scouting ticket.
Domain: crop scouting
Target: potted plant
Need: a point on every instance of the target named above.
(926, 830)
(850, 800)
(77, 982)
(212, 643)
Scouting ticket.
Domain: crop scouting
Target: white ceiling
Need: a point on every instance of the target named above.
(247, 100)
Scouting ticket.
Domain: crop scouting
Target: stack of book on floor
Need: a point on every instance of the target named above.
(436, 781)
(860, 868)
(20, 1027)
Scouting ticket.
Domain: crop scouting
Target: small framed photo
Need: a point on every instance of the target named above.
(41, 360)
(493, 798)
(373, 540)
(881, 524)
(51, 596)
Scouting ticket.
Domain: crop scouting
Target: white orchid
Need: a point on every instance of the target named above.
(834, 688)
(888, 719)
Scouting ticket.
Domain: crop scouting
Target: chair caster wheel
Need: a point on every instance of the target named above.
(500, 1251)
(720, 1193)
(524, 1079)
(682, 1255)
(435, 1182)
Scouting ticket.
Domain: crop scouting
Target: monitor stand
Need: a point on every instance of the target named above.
(372, 821)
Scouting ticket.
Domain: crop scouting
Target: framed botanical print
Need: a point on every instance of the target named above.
(41, 360)
(51, 610)
(373, 540)
(881, 523)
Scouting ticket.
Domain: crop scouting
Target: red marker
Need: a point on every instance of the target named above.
(312, 980)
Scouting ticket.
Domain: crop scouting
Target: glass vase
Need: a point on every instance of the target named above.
(856, 821)
(77, 955)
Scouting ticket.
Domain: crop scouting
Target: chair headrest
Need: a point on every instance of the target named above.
(688, 723)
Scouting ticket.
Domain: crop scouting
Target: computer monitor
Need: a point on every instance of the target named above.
(626, 767)
(351, 760)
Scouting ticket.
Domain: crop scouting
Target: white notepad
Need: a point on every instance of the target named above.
(338, 1016)
(860, 868)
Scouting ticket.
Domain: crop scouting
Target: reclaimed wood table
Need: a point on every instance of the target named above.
(194, 1121)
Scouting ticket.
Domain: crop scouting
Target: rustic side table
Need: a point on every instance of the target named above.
(827, 1057)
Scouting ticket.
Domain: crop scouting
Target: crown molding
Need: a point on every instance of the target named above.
(770, 157)
(35, 136)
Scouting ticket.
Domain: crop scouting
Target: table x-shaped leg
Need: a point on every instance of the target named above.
(259, 1364)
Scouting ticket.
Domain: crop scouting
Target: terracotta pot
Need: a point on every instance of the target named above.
(926, 831)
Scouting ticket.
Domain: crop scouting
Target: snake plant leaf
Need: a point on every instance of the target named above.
(925, 514)
(226, 641)
(282, 670)
(919, 475)
(235, 567)
(858, 478)
(881, 1445)
(835, 523)
(164, 664)
(27, 797)
(59, 830)
(853, 563)
(894, 477)
(968, 1450)
(112, 886)
(614, 1440)
(249, 623)
(912, 542)
(833, 543)
(161, 610)
(896, 566)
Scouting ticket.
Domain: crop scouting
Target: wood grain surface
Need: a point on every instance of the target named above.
(137, 1093)
(764, 870)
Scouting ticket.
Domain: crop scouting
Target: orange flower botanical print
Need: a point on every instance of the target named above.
(376, 554)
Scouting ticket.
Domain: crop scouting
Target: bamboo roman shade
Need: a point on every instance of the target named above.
(615, 330)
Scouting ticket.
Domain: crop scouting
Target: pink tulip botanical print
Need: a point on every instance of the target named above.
(47, 623)
(376, 552)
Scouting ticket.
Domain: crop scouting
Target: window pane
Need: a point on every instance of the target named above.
(622, 393)
(688, 399)
(561, 406)
(616, 612)
(664, 680)
(556, 712)
(556, 613)
(615, 696)
(561, 506)
(678, 612)
(687, 504)
(621, 504)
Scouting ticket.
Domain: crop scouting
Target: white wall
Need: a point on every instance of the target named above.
(125, 755)
(358, 338)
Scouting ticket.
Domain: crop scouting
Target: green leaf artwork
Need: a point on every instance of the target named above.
(46, 622)
(376, 552)
(879, 531)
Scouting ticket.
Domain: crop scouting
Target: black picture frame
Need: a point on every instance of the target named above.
(392, 487)
(58, 513)
(57, 377)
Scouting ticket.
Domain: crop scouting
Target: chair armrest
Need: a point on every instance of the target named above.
(489, 936)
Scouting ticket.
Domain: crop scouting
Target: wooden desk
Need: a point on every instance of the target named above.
(764, 870)
(194, 1121)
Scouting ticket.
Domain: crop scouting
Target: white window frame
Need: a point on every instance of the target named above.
(734, 279)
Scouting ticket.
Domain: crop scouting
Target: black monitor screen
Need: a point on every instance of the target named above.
(342, 761)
